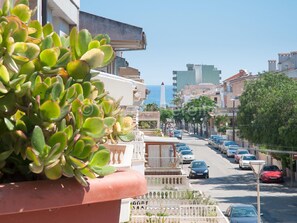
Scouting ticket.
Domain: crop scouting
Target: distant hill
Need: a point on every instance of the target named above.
(155, 91)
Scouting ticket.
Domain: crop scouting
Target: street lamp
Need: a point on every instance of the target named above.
(257, 166)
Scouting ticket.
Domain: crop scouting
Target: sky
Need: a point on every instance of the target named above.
(229, 34)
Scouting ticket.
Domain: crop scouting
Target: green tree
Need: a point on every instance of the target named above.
(165, 115)
(268, 112)
(151, 107)
(220, 123)
(197, 111)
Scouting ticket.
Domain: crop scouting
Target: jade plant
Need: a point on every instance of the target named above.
(54, 118)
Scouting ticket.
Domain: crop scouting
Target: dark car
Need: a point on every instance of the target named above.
(198, 168)
(242, 213)
(271, 173)
(178, 134)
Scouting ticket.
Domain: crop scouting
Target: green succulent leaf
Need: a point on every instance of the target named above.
(67, 170)
(56, 40)
(5, 155)
(80, 178)
(49, 57)
(78, 148)
(99, 86)
(38, 29)
(37, 140)
(108, 54)
(77, 162)
(56, 91)
(88, 172)
(94, 58)
(53, 171)
(78, 69)
(94, 126)
(109, 121)
(100, 159)
(6, 7)
(9, 124)
(58, 138)
(50, 110)
(127, 137)
(93, 44)
(36, 168)
(47, 29)
(69, 131)
(22, 11)
(31, 155)
(84, 38)
(104, 171)
(4, 75)
(47, 43)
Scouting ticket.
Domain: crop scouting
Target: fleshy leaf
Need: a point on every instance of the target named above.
(95, 126)
(78, 69)
(50, 110)
(100, 159)
(37, 139)
(94, 58)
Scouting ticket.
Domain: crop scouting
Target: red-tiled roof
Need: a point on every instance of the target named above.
(240, 74)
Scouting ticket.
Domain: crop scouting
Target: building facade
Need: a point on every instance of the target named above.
(287, 64)
(195, 74)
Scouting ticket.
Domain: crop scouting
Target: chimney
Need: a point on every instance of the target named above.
(272, 65)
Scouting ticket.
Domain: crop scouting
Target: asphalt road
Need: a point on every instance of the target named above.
(228, 184)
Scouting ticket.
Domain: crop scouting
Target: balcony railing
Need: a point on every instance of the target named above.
(167, 181)
(179, 214)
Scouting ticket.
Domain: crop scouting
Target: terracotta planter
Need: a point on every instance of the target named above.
(65, 200)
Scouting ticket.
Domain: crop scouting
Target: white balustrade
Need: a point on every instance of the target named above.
(182, 214)
(171, 181)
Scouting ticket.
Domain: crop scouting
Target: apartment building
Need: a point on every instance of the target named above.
(287, 64)
(195, 74)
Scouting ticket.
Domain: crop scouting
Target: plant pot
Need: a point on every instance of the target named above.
(65, 200)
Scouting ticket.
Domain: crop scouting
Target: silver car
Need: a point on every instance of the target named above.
(244, 162)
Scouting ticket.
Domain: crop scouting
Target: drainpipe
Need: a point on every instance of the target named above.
(44, 12)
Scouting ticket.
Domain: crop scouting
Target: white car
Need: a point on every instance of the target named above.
(186, 156)
(232, 150)
(244, 162)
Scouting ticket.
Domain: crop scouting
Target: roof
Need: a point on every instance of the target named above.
(161, 140)
(240, 74)
(123, 36)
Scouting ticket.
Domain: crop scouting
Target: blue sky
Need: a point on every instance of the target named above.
(230, 34)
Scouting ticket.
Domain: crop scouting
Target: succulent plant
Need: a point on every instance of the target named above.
(54, 119)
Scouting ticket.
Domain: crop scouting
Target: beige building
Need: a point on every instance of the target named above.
(204, 89)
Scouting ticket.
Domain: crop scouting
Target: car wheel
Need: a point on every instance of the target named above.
(189, 177)
(240, 167)
(205, 177)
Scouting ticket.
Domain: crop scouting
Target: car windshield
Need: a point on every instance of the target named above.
(230, 143)
(198, 164)
(233, 148)
(243, 212)
(243, 152)
(186, 152)
(270, 168)
(249, 158)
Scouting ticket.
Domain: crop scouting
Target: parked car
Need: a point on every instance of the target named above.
(218, 143)
(244, 162)
(242, 213)
(183, 148)
(225, 144)
(180, 144)
(178, 134)
(239, 153)
(186, 156)
(232, 150)
(271, 173)
(211, 138)
(198, 168)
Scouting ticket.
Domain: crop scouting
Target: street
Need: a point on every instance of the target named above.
(227, 184)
